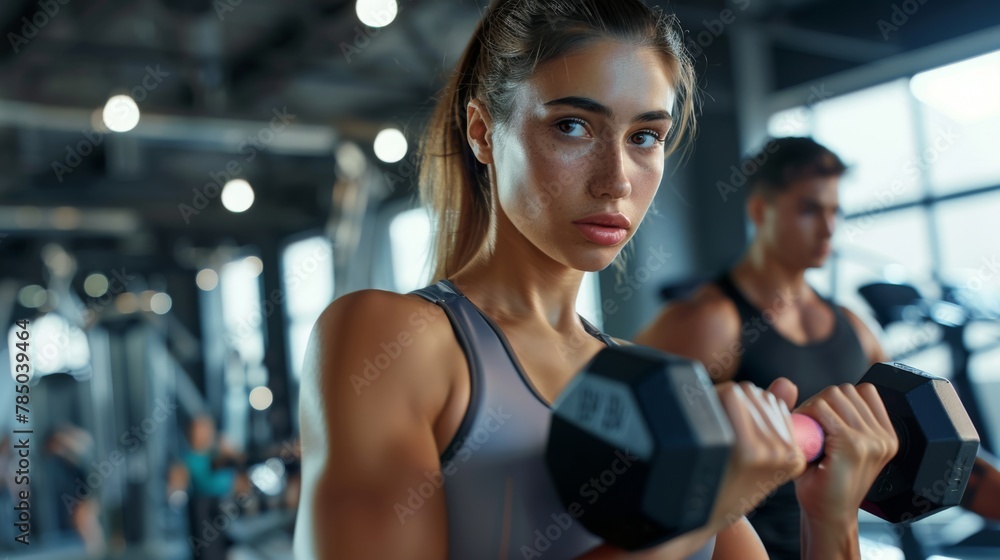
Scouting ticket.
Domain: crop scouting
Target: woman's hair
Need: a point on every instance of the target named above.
(511, 41)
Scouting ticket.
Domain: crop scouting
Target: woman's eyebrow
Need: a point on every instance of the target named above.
(587, 104)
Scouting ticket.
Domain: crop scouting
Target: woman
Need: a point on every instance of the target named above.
(424, 415)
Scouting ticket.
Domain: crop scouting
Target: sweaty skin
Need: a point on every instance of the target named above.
(585, 138)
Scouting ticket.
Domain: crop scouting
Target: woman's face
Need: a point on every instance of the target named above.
(585, 143)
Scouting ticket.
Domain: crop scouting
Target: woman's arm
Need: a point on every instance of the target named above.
(860, 441)
(738, 542)
(367, 432)
(823, 540)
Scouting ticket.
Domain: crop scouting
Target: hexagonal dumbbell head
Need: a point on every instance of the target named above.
(937, 445)
(638, 446)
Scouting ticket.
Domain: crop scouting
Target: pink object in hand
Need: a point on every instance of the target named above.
(808, 435)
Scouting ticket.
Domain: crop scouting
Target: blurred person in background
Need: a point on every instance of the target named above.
(72, 451)
(761, 320)
(213, 472)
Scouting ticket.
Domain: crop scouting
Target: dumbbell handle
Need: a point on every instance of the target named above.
(809, 436)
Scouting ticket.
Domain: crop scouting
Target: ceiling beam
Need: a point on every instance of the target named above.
(811, 41)
(279, 130)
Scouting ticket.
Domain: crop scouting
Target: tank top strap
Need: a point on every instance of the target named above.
(597, 333)
(478, 343)
(837, 311)
(439, 292)
(499, 493)
(843, 332)
(746, 309)
(487, 351)
(445, 291)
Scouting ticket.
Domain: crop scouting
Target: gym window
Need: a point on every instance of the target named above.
(409, 247)
(241, 309)
(923, 191)
(307, 280)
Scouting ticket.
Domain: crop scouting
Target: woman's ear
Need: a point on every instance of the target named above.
(480, 131)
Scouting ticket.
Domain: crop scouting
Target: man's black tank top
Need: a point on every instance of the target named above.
(767, 355)
(501, 502)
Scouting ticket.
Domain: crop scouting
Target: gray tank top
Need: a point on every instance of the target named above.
(500, 501)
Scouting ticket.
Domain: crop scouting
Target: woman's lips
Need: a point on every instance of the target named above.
(602, 235)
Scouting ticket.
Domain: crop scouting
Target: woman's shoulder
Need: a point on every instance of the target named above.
(380, 307)
(362, 334)
(383, 315)
(375, 379)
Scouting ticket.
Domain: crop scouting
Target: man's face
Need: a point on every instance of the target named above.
(797, 224)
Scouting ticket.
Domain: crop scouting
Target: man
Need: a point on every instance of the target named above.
(761, 320)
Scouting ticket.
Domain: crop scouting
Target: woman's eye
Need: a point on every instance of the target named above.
(569, 126)
(575, 128)
(648, 139)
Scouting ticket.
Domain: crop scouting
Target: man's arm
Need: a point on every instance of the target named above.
(982, 495)
(705, 328)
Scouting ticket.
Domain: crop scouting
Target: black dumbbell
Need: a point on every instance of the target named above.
(639, 444)
(937, 445)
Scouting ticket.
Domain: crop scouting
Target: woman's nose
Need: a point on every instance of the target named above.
(612, 180)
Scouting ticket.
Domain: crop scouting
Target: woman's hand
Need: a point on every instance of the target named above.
(764, 455)
(860, 441)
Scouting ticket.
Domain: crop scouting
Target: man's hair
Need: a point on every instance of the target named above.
(783, 161)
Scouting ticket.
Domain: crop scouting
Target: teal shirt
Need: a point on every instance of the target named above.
(204, 480)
